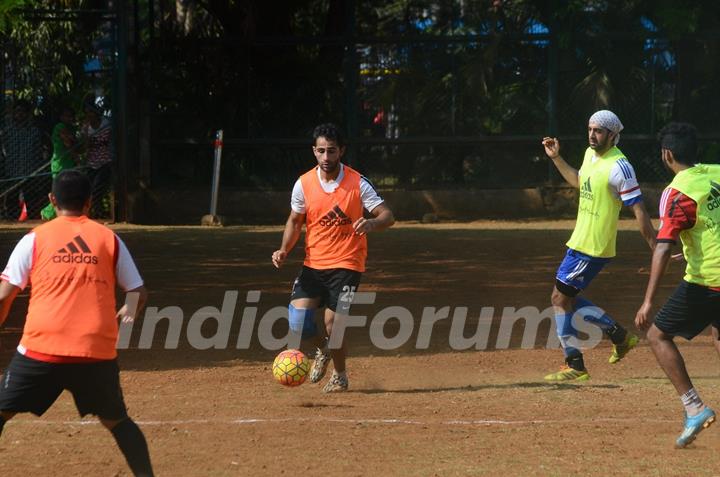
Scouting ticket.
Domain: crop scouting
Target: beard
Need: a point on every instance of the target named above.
(330, 167)
(601, 146)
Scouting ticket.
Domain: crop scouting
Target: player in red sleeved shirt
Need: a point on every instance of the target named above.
(678, 212)
(688, 211)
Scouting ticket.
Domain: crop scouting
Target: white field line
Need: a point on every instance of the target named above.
(414, 422)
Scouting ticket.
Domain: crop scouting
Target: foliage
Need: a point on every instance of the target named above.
(46, 53)
(402, 69)
(9, 13)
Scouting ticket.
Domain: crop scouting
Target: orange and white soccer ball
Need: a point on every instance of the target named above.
(291, 367)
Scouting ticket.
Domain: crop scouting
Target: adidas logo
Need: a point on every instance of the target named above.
(586, 190)
(335, 218)
(76, 251)
(714, 197)
(586, 186)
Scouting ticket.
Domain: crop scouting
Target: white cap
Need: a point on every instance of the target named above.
(608, 120)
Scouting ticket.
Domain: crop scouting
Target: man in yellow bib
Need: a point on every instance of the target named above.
(690, 210)
(607, 182)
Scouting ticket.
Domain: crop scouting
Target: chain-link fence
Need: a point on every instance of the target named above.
(429, 111)
(56, 110)
(24, 173)
(31, 156)
(431, 94)
(499, 164)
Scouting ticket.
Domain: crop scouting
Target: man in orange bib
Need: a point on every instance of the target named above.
(71, 329)
(330, 200)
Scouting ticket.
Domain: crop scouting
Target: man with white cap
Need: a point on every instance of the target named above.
(607, 182)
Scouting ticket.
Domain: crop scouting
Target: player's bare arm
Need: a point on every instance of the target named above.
(552, 149)
(8, 293)
(127, 313)
(646, 227)
(383, 219)
(293, 229)
(660, 259)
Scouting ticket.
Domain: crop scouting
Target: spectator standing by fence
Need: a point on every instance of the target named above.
(96, 135)
(65, 151)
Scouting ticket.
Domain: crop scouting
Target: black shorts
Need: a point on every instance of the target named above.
(334, 287)
(689, 310)
(33, 386)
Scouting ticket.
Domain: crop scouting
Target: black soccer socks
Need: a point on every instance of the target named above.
(617, 334)
(133, 445)
(576, 362)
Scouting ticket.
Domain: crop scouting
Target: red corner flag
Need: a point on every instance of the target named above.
(23, 208)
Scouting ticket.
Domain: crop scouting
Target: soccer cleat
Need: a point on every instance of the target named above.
(567, 373)
(336, 384)
(319, 366)
(693, 426)
(619, 351)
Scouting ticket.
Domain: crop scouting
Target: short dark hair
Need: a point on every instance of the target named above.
(681, 139)
(329, 131)
(71, 189)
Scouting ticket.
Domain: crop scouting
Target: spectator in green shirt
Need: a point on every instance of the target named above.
(65, 151)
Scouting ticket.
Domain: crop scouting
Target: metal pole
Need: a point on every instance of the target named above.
(216, 172)
(121, 102)
(552, 105)
(350, 74)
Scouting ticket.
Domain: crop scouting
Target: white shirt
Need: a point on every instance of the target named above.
(17, 271)
(368, 194)
(623, 181)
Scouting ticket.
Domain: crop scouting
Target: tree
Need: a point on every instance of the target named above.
(46, 49)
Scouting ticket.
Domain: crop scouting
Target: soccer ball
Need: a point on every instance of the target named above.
(291, 367)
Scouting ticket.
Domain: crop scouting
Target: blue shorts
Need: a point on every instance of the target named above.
(577, 270)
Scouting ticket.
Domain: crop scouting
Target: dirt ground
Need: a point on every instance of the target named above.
(410, 412)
